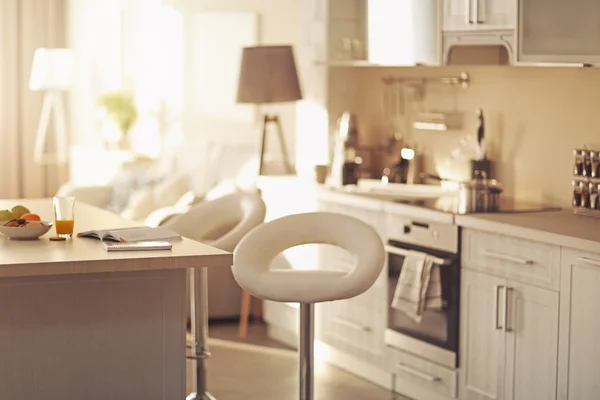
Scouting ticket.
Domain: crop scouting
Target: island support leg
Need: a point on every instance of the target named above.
(199, 319)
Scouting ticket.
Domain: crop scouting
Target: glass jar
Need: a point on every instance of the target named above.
(578, 165)
(595, 157)
(587, 163)
(576, 194)
(585, 195)
(593, 194)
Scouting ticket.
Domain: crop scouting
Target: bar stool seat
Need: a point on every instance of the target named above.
(256, 251)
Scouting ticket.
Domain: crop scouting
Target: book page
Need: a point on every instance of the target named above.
(144, 233)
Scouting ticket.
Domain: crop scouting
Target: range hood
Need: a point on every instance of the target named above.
(403, 32)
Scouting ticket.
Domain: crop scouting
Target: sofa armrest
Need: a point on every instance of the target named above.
(98, 196)
(162, 215)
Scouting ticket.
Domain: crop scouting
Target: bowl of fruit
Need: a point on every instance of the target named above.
(19, 223)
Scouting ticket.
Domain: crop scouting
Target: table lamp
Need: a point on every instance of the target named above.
(268, 75)
(51, 72)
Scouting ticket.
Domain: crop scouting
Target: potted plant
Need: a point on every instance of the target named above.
(120, 107)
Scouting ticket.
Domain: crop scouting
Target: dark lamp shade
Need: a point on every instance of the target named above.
(268, 75)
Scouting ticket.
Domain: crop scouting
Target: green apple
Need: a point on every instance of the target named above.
(19, 210)
(6, 215)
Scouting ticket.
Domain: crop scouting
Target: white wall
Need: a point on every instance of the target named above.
(110, 38)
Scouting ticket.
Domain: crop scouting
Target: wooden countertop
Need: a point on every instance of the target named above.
(84, 255)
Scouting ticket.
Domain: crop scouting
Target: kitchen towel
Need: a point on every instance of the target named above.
(418, 287)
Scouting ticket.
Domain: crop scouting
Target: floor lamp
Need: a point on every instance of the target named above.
(268, 75)
(52, 73)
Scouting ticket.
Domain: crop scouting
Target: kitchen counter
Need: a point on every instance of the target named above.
(562, 228)
(114, 321)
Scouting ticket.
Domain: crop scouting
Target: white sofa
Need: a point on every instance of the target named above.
(190, 175)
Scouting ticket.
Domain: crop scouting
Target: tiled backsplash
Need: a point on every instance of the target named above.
(534, 118)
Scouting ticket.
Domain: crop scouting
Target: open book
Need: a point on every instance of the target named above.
(131, 234)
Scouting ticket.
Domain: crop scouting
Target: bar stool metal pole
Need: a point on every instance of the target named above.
(306, 351)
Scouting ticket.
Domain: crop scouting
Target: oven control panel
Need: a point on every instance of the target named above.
(432, 234)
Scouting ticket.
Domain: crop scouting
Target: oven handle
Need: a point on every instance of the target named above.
(401, 252)
(417, 373)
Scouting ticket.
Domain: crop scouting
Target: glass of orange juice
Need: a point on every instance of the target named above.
(64, 216)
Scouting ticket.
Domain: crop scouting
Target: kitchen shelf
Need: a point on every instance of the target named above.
(365, 64)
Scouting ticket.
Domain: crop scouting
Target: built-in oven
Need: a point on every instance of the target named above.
(434, 336)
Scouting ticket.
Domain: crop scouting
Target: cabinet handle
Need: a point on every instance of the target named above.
(469, 12)
(477, 20)
(417, 373)
(351, 324)
(589, 261)
(506, 292)
(504, 257)
(497, 303)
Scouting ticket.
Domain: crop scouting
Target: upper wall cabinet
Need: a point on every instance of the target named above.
(559, 31)
(382, 32)
(468, 15)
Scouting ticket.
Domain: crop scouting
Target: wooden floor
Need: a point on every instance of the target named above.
(260, 368)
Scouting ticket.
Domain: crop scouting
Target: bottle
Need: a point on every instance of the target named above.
(345, 165)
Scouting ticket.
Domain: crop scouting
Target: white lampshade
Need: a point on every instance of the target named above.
(52, 69)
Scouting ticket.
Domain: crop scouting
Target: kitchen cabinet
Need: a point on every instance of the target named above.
(509, 339)
(579, 355)
(354, 326)
(474, 15)
(558, 31)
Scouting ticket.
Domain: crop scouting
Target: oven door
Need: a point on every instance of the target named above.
(437, 332)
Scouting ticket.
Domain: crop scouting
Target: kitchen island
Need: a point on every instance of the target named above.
(79, 322)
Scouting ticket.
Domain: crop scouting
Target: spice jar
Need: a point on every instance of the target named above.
(593, 193)
(578, 166)
(587, 163)
(585, 195)
(576, 194)
(595, 158)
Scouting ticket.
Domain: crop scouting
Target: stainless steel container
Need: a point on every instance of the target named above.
(479, 195)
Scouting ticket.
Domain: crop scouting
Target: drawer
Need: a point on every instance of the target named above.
(521, 260)
(414, 371)
(356, 324)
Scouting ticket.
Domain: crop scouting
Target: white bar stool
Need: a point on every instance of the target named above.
(253, 256)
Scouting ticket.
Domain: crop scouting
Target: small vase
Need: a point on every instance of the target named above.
(124, 143)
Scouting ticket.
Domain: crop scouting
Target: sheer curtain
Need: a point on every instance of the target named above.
(26, 25)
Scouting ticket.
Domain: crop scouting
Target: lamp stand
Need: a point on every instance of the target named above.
(52, 101)
(267, 119)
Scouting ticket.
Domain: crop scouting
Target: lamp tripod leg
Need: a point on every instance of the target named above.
(289, 168)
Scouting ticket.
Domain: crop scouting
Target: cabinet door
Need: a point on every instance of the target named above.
(580, 324)
(458, 15)
(557, 31)
(495, 14)
(482, 339)
(532, 342)
(461, 15)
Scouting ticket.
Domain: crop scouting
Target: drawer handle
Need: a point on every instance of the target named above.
(417, 373)
(351, 324)
(504, 257)
(589, 261)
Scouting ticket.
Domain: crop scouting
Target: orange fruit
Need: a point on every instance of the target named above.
(31, 217)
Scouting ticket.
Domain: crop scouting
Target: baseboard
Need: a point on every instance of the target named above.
(337, 358)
